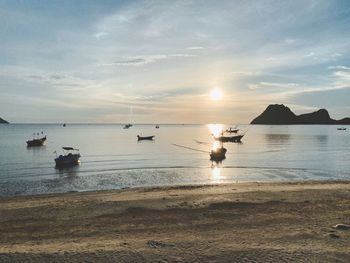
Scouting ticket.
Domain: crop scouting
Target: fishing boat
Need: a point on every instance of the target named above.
(341, 129)
(218, 154)
(157, 126)
(127, 126)
(36, 142)
(69, 158)
(232, 130)
(145, 138)
(236, 138)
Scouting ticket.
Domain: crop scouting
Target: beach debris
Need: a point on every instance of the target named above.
(157, 244)
(342, 227)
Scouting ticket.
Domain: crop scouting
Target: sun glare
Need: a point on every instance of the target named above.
(216, 94)
(215, 129)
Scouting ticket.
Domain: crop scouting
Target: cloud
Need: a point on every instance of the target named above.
(57, 77)
(195, 48)
(144, 60)
(273, 85)
(343, 77)
(133, 62)
(246, 73)
(337, 55)
(100, 34)
(310, 54)
(289, 41)
(339, 67)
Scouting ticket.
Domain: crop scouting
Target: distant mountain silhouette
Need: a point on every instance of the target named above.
(280, 114)
(3, 121)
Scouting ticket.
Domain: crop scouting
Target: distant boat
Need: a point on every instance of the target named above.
(64, 125)
(157, 126)
(129, 125)
(68, 159)
(36, 142)
(341, 129)
(218, 154)
(148, 138)
(236, 138)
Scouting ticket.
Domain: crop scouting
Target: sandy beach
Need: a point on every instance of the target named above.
(248, 222)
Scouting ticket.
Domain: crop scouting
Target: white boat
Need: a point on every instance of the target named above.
(232, 130)
(69, 158)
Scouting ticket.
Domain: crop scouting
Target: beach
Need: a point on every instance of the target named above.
(244, 222)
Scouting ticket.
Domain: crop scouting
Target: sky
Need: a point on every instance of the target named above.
(158, 61)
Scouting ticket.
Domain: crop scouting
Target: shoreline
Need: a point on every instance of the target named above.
(178, 187)
(243, 222)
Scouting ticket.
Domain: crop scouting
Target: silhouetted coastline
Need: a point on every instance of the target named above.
(278, 114)
(3, 121)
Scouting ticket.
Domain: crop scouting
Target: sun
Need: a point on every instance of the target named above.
(216, 94)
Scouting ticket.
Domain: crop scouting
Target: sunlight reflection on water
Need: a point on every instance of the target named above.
(216, 129)
(216, 173)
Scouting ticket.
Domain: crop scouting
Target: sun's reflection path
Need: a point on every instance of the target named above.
(216, 145)
(216, 129)
(217, 151)
(216, 173)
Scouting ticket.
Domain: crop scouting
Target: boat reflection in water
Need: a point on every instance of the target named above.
(68, 171)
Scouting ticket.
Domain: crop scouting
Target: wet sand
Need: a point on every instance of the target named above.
(250, 222)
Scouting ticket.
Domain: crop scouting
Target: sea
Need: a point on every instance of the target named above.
(113, 158)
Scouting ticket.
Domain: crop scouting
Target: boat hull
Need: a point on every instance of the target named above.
(36, 142)
(218, 155)
(67, 160)
(237, 138)
(146, 138)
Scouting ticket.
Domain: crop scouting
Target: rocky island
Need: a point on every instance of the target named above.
(278, 114)
(3, 121)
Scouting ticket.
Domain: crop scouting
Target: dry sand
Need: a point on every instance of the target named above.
(253, 222)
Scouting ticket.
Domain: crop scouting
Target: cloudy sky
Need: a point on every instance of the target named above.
(157, 61)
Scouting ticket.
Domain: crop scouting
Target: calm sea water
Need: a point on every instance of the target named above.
(113, 159)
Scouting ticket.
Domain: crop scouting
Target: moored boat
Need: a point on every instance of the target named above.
(69, 158)
(341, 129)
(218, 154)
(36, 142)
